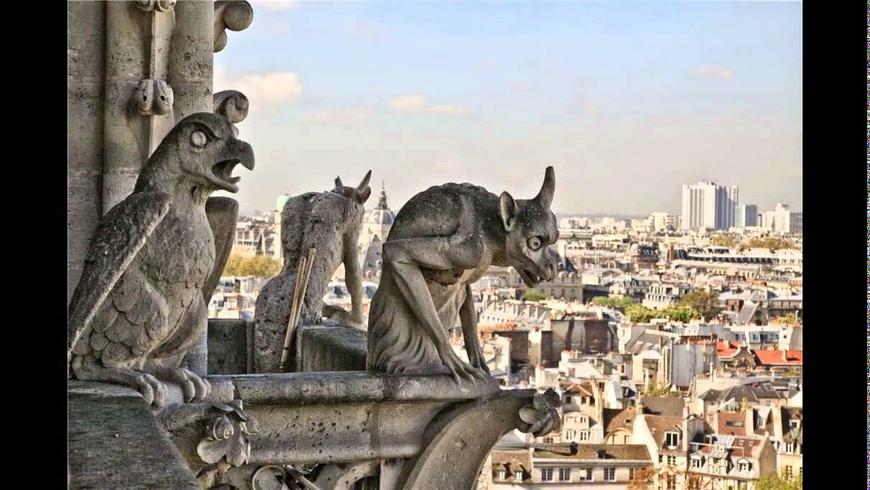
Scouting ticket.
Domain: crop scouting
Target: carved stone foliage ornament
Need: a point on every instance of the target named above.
(232, 104)
(443, 240)
(153, 97)
(227, 435)
(235, 15)
(158, 5)
(542, 415)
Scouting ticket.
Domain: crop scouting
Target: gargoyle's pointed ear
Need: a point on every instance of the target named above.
(507, 209)
(365, 182)
(338, 182)
(545, 195)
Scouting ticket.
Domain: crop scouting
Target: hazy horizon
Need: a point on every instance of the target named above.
(628, 101)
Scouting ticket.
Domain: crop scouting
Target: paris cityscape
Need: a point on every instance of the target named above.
(674, 340)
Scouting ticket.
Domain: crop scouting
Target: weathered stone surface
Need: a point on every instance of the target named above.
(349, 387)
(330, 222)
(115, 442)
(86, 81)
(443, 240)
(232, 104)
(457, 441)
(235, 15)
(229, 343)
(330, 347)
(139, 303)
(191, 65)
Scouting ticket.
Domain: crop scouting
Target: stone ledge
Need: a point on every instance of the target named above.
(348, 387)
(114, 441)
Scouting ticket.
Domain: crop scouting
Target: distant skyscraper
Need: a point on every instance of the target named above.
(780, 219)
(708, 205)
(747, 215)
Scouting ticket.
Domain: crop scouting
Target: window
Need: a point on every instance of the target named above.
(548, 440)
(582, 419)
(631, 472)
(671, 439)
(569, 434)
(586, 474)
(672, 460)
(671, 482)
(518, 475)
(567, 399)
(583, 435)
(696, 462)
(547, 474)
(787, 473)
(564, 474)
(609, 474)
(743, 465)
(501, 474)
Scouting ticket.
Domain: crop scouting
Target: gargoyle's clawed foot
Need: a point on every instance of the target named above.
(152, 390)
(460, 369)
(195, 389)
(479, 363)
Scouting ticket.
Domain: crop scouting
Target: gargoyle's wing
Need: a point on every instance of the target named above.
(117, 241)
(223, 213)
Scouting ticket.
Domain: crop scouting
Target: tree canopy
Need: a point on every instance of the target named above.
(534, 295)
(701, 302)
(257, 266)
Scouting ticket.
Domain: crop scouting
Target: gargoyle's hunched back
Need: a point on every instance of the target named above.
(441, 242)
(330, 222)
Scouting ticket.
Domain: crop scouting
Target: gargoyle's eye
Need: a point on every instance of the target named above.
(534, 242)
(198, 139)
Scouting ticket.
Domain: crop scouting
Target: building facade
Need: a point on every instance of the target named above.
(708, 205)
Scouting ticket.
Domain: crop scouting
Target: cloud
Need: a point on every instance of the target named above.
(348, 116)
(275, 5)
(416, 104)
(264, 90)
(407, 104)
(712, 71)
(449, 110)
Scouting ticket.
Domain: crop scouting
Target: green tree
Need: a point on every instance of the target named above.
(620, 303)
(682, 314)
(791, 319)
(773, 243)
(702, 302)
(724, 240)
(777, 483)
(533, 295)
(257, 266)
(640, 314)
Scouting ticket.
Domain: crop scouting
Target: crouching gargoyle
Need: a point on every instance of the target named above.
(139, 306)
(442, 241)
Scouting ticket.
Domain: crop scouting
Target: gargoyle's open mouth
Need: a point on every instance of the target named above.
(530, 278)
(223, 174)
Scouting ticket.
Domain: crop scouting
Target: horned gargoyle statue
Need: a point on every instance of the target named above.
(330, 222)
(139, 306)
(442, 240)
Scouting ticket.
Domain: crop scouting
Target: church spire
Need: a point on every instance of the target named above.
(382, 200)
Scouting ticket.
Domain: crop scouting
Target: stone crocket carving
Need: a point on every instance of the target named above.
(138, 307)
(442, 241)
(330, 222)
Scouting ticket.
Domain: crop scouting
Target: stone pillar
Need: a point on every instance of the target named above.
(125, 132)
(86, 81)
(191, 57)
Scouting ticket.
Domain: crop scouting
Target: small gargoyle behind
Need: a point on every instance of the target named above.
(330, 222)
